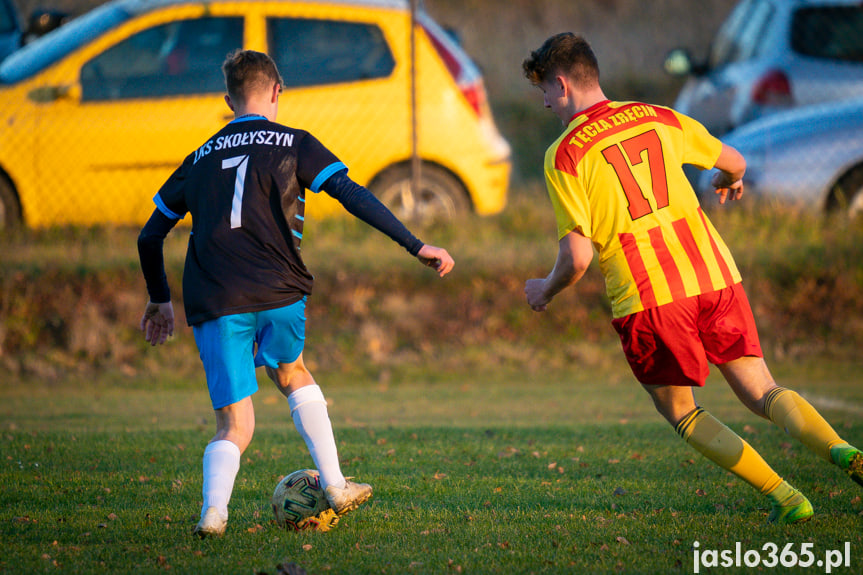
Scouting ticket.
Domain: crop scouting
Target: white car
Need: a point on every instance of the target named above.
(771, 55)
(810, 156)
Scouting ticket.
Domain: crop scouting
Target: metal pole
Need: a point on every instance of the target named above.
(415, 158)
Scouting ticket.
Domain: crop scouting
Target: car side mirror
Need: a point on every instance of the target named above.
(678, 62)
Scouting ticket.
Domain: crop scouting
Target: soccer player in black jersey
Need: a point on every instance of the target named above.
(245, 284)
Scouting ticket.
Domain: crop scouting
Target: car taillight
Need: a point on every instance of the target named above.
(471, 88)
(475, 95)
(773, 88)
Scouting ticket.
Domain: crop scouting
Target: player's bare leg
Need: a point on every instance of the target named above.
(728, 450)
(750, 379)
(309, 412)
(235, 425)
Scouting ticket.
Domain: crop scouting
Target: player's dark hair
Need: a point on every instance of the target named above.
(566, 54)
(247, 72)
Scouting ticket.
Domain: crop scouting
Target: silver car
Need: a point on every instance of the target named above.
(772, 55)
(811, 156)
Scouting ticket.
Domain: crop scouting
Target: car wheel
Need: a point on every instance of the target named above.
(10, 209)
(847, 195)
(440, 196)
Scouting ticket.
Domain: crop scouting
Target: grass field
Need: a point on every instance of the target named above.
(497, 440)
(572, 473)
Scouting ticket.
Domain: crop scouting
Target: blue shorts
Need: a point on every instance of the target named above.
(233, 346)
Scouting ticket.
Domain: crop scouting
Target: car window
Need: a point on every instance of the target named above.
(7, 18)
(313, 52)
(831, 32)
(739, 38)
(174, 59)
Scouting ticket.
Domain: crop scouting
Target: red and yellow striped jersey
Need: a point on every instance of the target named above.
(615, 175)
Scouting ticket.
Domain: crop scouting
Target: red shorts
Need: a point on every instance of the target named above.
(672, 344)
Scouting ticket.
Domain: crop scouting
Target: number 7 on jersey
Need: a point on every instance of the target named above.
(241, 163)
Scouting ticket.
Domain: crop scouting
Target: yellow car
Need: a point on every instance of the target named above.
(97, 114)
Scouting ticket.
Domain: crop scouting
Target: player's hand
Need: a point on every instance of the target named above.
(436, 258)
(536, 298)
(157, 323)
(726, 190)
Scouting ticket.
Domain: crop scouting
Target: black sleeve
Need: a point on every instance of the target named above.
(363, 204)
(152, 258)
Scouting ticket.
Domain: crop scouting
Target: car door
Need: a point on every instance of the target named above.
(141, 105)
(342, 84)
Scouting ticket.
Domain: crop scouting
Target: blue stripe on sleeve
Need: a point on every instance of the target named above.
(325, 174)
(165, 210)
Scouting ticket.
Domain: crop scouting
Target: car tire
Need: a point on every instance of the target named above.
(847, 194)
(10, 208)
(441, 196)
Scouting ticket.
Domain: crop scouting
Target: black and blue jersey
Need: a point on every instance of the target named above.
(245, 189)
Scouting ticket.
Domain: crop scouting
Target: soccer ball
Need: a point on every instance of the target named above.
(299, 503)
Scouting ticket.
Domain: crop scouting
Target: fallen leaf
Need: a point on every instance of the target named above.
(700, 492)
(622, 540)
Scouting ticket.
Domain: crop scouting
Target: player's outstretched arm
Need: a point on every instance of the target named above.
(728, 181)
(157, 323)
(436, 258)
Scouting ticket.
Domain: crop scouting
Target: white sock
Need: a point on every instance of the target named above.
(221, 463)
(309, 411)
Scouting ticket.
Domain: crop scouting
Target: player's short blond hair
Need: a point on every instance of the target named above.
(248, 72)
(567, 54)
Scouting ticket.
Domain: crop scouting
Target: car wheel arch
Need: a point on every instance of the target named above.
(846, 193)
(11, 211)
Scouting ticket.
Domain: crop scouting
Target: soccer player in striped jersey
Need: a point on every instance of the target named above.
(245, 283)
(616, 183)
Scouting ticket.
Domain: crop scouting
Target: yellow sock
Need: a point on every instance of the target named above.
(801, 421)
(728, 450)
